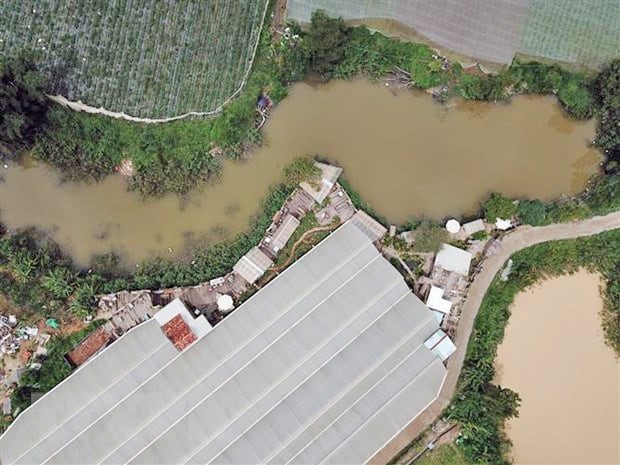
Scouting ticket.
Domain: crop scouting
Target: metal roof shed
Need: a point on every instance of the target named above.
(252, 265)
(368, 225)
(473, 227)
(452, 258)
(283, 233)
(323, 365)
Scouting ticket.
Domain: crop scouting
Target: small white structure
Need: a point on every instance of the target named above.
(199, 326)
(435, 301)
(329, 176)
(503, 225)
(441, 345)
(453, 226)
(452, 258)
(225, 303)
(473, 227)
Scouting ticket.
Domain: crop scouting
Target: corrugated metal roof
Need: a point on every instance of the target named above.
(284, 232)
(252, 265)
(473, 227)
(368, 225)
(452, 258)
(324, 364)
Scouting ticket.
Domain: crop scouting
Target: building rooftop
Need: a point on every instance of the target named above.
(329, 176)
(435, 300)
(325, 364)
(179, 333)
(253, 265)
(283, 233)
(368, 225)
(452, 258)
(473, 227)
(89, 346)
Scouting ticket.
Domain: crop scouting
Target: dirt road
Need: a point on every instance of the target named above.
(520, 238)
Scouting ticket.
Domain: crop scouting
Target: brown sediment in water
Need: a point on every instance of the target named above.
(405, 154)
(554, 356)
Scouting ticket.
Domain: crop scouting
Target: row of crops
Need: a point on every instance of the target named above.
(148, 58)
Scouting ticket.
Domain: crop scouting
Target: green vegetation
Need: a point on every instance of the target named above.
(23, 105)
(302, 169)
(446, 454)
(176, 157)
(480, 407)
(54, 368)
(498, 206)
(326, 42)
(142, 58)
(428, 236)
(37, 277)
(479, 235)
(607, 94)
(532, 212)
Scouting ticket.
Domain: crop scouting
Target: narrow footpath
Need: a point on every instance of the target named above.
(521, 238)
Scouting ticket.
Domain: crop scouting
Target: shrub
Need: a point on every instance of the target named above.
(498, 206)
(532, 212)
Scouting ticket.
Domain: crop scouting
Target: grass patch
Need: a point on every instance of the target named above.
(446, 454)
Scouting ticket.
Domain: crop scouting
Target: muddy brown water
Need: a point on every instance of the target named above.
(554, 356)
(405, 154)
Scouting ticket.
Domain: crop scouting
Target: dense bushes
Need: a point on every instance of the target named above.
(480, 407)
(23, 105)
(607, 94)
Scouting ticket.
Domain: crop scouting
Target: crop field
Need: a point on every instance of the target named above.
(146, 58)
(584, 32)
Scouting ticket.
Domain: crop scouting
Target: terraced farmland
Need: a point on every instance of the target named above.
(147, 58)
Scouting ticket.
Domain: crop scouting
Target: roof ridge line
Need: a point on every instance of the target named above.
(245, 364)
(343, 326)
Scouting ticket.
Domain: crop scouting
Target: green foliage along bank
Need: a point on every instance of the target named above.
(480, 407)
(176, 157)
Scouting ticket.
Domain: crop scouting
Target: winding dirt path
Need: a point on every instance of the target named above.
(303, 238)
(521, 238)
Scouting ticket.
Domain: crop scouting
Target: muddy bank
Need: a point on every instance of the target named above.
(555, 357)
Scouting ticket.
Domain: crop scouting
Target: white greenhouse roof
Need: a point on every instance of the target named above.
(452, 258)
(324, 364)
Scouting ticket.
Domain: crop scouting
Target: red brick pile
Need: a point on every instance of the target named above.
(179, 332)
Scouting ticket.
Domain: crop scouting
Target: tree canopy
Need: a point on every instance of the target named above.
(326, 41)
(23, 104)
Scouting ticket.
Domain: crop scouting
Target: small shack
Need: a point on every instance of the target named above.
(252, 265)
(473, 227)
(283, 233)
(89, 346)
(329, 176)
(368, 225)
(441, 345)
(453, 259)
(437, 303)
